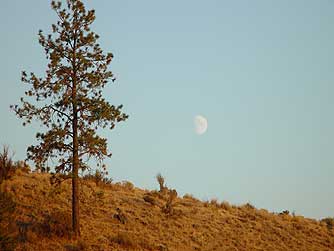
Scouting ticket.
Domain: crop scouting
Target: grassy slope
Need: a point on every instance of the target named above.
(194, 225)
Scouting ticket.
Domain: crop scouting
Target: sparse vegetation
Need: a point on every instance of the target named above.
(115, 217)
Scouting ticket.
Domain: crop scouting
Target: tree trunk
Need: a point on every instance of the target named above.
(75, 185)
(75, 166)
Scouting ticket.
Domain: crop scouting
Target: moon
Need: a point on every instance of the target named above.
(201, 124)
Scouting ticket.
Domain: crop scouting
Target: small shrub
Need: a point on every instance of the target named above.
(225, 205)
(79, 246)
(7, 207)
(191, 197)
(99, 177)
(6, 164)
(7, 243)
(22, 166)
(161, 181)
(120, 216)
(285, 212)
(248, 206)
(329, 223)
(206, 203)
(56, 223)
(168, 208)
(150, 199)
(214, 203)
(125, 240)
(132, 241)
(57, 178)
(23, 230)
(99, 196)
(128, 185)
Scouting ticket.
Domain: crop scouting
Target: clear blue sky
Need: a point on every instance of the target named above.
(260, 71)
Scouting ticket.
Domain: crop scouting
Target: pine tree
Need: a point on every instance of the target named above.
(68, 100)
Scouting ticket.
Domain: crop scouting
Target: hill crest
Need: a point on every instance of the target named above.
(119, 216)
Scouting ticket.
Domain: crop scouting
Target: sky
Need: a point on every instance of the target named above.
(261, 72)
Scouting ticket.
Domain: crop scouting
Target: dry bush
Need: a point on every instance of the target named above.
(149, 198)
(285, 212)
(214, 203)
(7, 208)
(169, 206)
(120, 216)
(206, 203)
(127, 185)
(79, 246)
(225, 205)
(157, 195)
(22, 166)
(130, 240)
(99, 195)
(23, 230)
(329, 223)
(125, 240)
(6, 164)
(7, 243)
(161, 181)
(248, 206)
(56, 223)
(57, 178)
(191, 199)
(99, 177)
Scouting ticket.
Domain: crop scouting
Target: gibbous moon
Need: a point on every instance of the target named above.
(201, 124)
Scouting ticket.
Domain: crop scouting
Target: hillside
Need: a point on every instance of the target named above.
(122, 217)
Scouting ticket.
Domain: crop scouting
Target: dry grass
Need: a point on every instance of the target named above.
(123, 217)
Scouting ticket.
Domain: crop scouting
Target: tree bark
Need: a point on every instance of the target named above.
(75, 154)
(75, 177)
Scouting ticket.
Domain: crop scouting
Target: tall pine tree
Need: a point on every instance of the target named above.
(68, 100)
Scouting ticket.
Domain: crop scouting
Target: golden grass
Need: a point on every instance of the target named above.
(123, 217)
